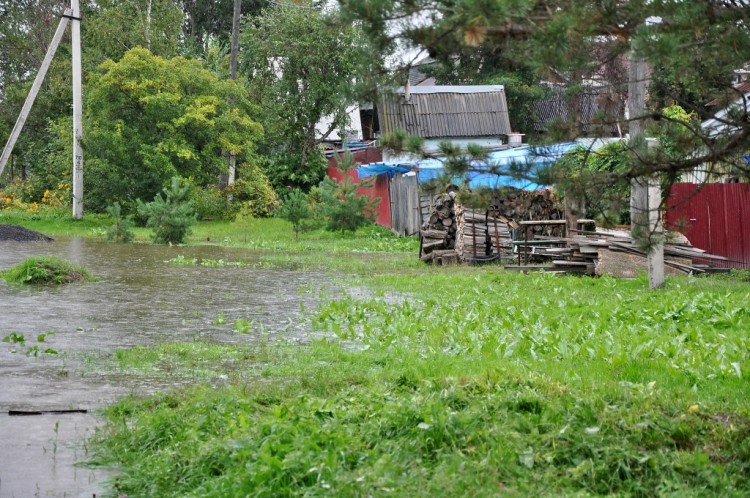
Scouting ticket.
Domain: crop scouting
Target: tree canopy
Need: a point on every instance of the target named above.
(693, 46)
(152, 118)
(300, 66)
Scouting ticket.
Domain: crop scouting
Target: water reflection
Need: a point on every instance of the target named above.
(140, 300)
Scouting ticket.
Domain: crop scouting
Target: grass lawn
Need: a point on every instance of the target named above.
(459, 381)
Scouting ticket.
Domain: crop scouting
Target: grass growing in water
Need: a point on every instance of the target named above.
(45, 270)
(476, 382)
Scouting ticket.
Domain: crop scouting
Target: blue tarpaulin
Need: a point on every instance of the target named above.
(524, 158)
(381, 168)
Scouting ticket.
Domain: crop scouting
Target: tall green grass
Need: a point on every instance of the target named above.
(460, 382)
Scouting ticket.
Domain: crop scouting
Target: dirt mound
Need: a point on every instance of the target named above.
(20, 234)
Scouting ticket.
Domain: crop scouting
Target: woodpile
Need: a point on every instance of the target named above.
(613, 254)
(482, 235)
(452, 233)
(521, 205)
(438, 234)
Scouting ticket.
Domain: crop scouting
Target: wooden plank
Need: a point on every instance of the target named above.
(563, 262)
(541, 222)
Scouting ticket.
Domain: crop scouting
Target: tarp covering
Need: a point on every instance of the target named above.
(381, 168)
(520, 158)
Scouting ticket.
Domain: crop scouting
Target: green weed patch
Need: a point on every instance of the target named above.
(46, 270)
(460, 382)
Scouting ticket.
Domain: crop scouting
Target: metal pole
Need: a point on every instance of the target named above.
(34, 90)
(77, 112)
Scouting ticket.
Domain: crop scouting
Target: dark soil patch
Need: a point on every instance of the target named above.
(20, 234)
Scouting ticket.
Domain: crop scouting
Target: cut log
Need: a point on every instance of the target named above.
(427, 258)
(433, 234)
(448, 259)
(431, 246)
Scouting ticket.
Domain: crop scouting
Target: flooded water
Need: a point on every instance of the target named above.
(140, 299)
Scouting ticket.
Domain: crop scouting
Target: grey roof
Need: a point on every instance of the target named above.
(593, 105)
(446, 111)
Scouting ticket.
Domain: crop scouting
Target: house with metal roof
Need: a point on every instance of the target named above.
(462, 115)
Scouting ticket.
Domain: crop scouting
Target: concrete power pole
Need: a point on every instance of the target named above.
(234, 55)
(77, 111)
(645, 192)
(35, 87)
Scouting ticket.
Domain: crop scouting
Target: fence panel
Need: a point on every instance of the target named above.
(405, 209)
(714, 217)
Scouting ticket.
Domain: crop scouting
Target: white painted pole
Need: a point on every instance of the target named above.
(77, 112)
(34, 91)
(234, 55)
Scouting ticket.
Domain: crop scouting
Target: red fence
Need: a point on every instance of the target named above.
(378, 190)
(714, 217)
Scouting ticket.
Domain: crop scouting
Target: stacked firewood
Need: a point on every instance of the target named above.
(438, 234)
(471, 236)
(520, 205)
(482, 235)
(453, 233)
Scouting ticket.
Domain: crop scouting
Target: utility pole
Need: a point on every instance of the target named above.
(645, 191)
(77, 111)
(234, 55)
(31, 97)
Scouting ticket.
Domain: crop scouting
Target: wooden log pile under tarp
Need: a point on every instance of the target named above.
(452, 233)
(618, 255)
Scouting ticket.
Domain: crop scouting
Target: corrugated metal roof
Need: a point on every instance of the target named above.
(557, 106)
(447, 111)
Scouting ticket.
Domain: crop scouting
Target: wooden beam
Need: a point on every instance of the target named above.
(8, 150)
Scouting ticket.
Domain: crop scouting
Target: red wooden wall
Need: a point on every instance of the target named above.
(379, 188)
(714, 217)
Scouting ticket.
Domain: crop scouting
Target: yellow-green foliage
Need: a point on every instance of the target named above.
(154, 118)
(252, 192)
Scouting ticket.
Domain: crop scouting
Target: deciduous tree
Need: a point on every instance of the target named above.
(152, 118)
(300, 66)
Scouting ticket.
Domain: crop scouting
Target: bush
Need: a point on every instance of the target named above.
(597, 177)
(46, 270)
(208, 202)
(254, 191)
(119, 231)
(170, 217)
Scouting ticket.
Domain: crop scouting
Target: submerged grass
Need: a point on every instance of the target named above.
(272, 238)
(469, 382)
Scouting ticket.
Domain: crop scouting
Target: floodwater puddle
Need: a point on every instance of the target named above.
(58, 338)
